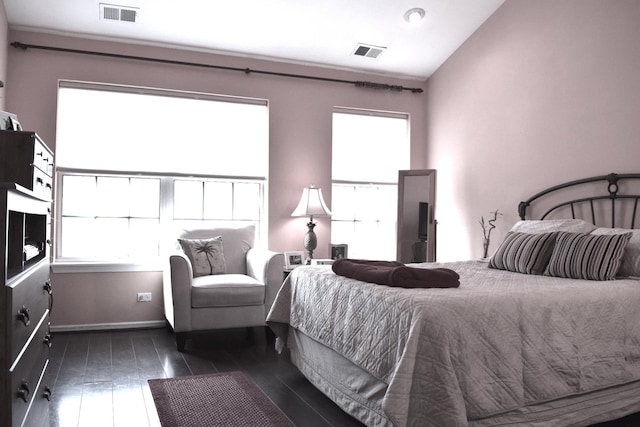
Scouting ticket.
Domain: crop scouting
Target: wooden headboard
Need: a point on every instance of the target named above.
(607, 200)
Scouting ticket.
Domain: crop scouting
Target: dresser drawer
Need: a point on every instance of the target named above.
(25, 160)
(27, 373)
(29, 300)
(42, 184)
(39, 414)
(42, 156)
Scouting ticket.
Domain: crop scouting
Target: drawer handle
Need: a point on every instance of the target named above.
(23, 315)
(47, 393)
(48, 185)
(23, 391)
(47, 287)
(47, 340)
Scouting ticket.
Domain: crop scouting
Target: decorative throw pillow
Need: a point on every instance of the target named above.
(523, 252)
(587, 256)
(630, 264)
(206, 255)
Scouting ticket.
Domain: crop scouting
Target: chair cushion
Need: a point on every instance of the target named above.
(226, 290)
(236, 242)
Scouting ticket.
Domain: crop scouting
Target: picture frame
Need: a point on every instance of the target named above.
(13, 124)
(338, 251)
(293, 259)
(316, 261)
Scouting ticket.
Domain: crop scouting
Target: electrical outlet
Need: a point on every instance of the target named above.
(144, 296)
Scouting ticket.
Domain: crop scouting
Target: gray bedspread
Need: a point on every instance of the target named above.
(497, 343)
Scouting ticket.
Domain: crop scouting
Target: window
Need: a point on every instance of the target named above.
(136, 164)
(109, 217)
(369, 148)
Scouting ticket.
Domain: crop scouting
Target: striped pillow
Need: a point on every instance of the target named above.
(587, 256)
(524, 252)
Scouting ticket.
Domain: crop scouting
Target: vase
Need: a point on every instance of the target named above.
(485, 247)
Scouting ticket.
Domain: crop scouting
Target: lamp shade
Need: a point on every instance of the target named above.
(311, 203)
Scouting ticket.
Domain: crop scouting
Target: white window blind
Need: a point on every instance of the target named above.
(369, 146)
(131, 129)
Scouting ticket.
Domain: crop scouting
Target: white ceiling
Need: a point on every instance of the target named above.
(320, 32)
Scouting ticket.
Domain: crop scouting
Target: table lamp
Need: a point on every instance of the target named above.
(311, 204)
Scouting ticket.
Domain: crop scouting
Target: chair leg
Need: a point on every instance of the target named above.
(271, 336)
(181, 340)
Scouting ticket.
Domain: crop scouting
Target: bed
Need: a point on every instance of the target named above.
(538, 336)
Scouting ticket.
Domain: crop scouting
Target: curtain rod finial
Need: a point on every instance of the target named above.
(19, 45)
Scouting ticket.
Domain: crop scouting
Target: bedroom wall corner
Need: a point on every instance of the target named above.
(544, 92)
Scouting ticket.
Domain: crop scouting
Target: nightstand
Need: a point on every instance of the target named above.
(285, 272)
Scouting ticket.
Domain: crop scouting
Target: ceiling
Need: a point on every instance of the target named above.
(321, 33)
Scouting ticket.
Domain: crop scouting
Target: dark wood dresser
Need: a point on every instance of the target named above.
(26, 297)
(26, 160)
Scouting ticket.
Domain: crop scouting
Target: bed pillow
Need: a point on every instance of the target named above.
(587, 256)
(206, 255)
(550, 225)
(524, 252)
(630, 264)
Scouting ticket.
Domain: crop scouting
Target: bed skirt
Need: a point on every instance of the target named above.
(360, 394)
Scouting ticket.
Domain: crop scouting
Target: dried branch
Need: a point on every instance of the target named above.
(489, 225)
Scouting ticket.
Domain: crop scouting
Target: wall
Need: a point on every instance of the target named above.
(4, 32)
(544, 92)
(300, 142)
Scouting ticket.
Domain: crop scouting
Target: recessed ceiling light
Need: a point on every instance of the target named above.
(414, 15)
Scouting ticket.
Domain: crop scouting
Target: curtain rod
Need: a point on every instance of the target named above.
(358, 83)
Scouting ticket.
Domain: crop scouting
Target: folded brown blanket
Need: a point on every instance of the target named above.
(392, 273)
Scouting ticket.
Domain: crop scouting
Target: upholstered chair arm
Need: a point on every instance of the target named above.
(177, 282)
(266, 266)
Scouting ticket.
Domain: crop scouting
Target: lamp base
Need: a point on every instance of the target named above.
(310, 241)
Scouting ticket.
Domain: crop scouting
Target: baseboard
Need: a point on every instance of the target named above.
(108, 326)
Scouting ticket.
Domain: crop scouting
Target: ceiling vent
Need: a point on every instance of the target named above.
(111, 12)
(368, 51)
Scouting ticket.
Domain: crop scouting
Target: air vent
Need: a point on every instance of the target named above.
(111, 12)
(368, 51)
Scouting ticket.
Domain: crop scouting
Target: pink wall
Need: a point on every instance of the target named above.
(4, 31)
(545, 91)
(300, 140)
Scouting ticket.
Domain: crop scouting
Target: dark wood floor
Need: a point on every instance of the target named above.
(100, 378)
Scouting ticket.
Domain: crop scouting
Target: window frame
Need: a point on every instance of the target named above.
(371, 183)
(166, 222)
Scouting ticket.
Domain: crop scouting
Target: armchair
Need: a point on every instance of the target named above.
(238, 295)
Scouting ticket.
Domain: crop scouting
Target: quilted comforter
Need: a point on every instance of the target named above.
(499, 342)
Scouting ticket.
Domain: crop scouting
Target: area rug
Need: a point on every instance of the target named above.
(222, 399)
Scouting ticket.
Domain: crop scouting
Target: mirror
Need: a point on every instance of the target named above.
(416, 225)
